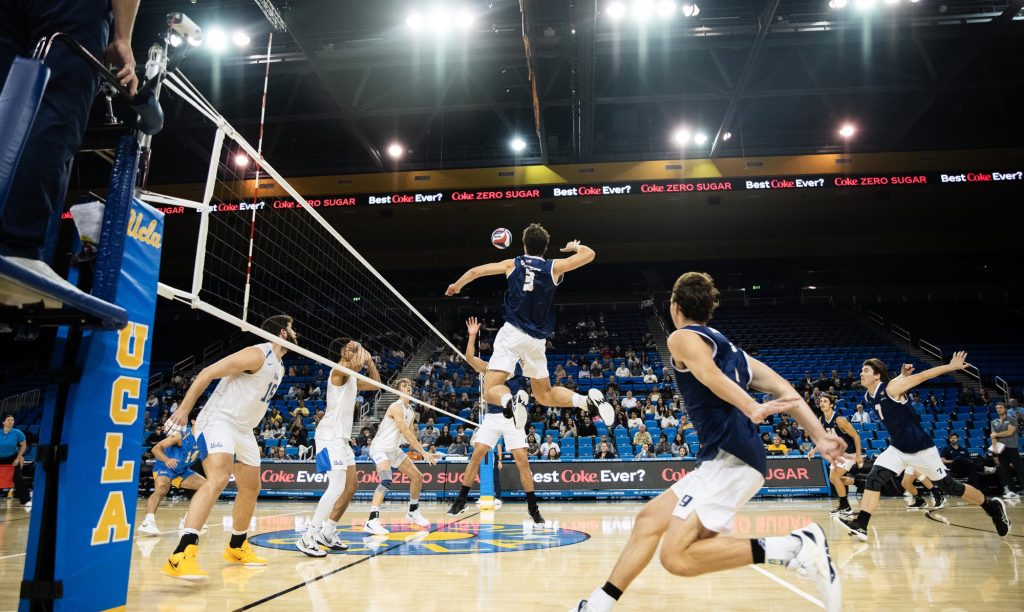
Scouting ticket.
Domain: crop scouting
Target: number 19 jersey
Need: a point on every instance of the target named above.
(242, 399)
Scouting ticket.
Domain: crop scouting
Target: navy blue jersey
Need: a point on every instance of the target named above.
(905, 431)
(719, 425)
(830, 426)
(530, 296)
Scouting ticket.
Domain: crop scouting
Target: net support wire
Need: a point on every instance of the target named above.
(171, 293)
(194, 98)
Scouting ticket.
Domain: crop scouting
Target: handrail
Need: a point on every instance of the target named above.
(874, 317)
(1003, 386)
(899, 331)
(930, 348)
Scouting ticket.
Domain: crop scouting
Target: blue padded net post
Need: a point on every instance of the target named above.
(115, 219)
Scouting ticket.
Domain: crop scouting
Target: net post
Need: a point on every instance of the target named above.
(204, 212)
(487, 481)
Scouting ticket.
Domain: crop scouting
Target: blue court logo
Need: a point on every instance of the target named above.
(453, 539)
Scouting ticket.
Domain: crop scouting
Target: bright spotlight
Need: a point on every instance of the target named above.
(517, 144)
(847, 130)
(691, 10)
(216, 40)
(438, 20)
(642, 10)
(865, 5)
(681, 136)
(892, 1)
(241, 39)
(174, 40)
(838, 4)
(414, 21)
(726, 136)
(616, 10)
(241, 159)
(464, 20)
(666, 8)
(395, 150)
(700, 138)
(195, 40)
(915, 1)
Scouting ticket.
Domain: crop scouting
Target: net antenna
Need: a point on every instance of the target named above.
(292, 262)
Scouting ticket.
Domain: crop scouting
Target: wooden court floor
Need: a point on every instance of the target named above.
(948, 560)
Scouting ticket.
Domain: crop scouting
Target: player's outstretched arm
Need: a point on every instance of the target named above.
(395, 412)
(491, 269)
(581, 256)
(690, 349)
(158, 448)
(248, 359)
(897, 387)
(473, 329)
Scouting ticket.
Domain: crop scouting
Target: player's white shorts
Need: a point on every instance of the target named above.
(512, 346)
(716, 490)
(222, 437)
(926, 463)
(495, 426)
(394, 456)
(842, 463)
(334, 455)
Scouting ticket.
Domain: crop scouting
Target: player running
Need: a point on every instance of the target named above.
(840, 466)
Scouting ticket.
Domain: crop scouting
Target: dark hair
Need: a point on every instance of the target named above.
(535, 239)
(1003, 404)
(338, 345)
(276, 324)
(696, 295)
(878, 367)
(831, 399)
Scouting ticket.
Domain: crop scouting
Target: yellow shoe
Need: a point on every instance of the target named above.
(183, 565)
(244, 555)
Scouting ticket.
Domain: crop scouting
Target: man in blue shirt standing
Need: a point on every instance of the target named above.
(12, 450)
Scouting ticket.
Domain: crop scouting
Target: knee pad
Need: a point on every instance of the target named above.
(951, 486)
(877, 478)
(385, 481)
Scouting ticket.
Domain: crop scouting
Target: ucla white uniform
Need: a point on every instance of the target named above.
(335, 430)
(386, 446)
(237, 405)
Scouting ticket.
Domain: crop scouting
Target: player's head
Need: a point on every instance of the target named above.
(873, 372)
(404, 385)
(192, 416)
(826, 403)
(281, 326)
(694, 298)
(1000, 409)
(535, 240)
(344, 349)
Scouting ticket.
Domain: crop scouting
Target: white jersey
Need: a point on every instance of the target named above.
(242, 399)
(388, 435)
(341, 408)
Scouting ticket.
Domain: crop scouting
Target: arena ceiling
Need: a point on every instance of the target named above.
(347, 78)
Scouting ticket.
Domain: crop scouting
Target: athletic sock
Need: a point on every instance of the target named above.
(757, 550)
(844, 502)
(464, 493)
(862, 519)
(237, 539)
(602, 599)
(780, 550)
(328, 526)
(414, 506)
(374, 512)
(189, 537)
(579, 401)
(531, 499)
(150, 517)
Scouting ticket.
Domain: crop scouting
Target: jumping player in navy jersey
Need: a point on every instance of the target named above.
(493, 426)
(839, 467)
(529, 321)
(910, 445)
(713, 377)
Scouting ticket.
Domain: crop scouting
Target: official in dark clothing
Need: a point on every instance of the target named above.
(958, 461)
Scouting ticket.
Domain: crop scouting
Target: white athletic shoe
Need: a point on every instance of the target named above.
(329, 539)
(813, 561)
(419, 519)
(1008, 494)
(148, 527)
(373, 526)
(581, 606)
(308, 546)
(520, 415)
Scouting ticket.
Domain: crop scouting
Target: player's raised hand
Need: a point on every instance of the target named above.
(959, 360)
(472, 326)
(453, 289)
(907, 370)
(571, 247)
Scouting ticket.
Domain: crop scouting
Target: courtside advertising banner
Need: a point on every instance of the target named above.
(104, 421)
(563, 479)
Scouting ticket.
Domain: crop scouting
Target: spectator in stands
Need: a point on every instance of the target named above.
(835, 381)
(777, 447)
(785, 434)
(586, 429)
(364, 451)
(650, 377)
(319, 416)
(279, 453)
(292, 371)
(445, 437)
(1004, 431)
(643, 436)
(570, 383)
(605, 440)
(766, 439)
(662, 447)
(532, 448)
(293, 392)
(634, 421)
(629, 402)
(958, 461)
(568, 429)
(267, 433)
(684, 422)
(297, 431)
(584, 372)
(153, 401)
(305, 369)
(301, 410)
(459, 446)
(859, 416)
(154, 438)
(429, 434)
(12, 451)
(644, 453)
(667, 373)
(604, 451)
(363, 439)
(784, 423)
(623, 371)
(915, 403)
(559, 371)
(822, 383)
(933, 404)
(314, 391)
(549, 444)
(668, 419)
(679, 446)
(553, 454)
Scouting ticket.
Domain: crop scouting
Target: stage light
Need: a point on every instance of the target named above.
(216, 40)
(642, 10)
(438, 20)
(464, 20)
(865, 5)
(241, 159)
(892, 1)
(414, 22)
(838, 4)
(241, 39)
(681, 136)
(691, 10)
(726, 136)
(700, 138)
(666, 8)
(616, 10)
(847, 130)
(174, 40)
(395, 150)
(517, 144)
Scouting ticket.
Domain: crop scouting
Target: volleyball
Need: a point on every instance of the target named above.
(501, 238)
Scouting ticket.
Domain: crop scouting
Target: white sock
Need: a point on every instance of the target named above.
(374, 508)
(579, 401)
(329, 527)
(599, 601)
(505, 399)
(781, 550)
(150, 517)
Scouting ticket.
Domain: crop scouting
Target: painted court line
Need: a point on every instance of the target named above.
(12, 556)
(790, 586)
